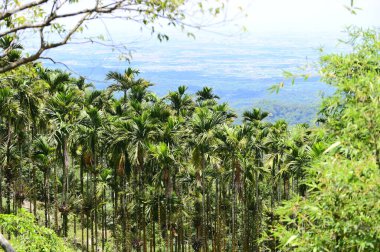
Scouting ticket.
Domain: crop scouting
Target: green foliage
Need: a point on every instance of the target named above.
(28, 235)
(175, 172)
(341, 211)
(353, 113)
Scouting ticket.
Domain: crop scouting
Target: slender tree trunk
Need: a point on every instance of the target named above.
(377, 155)
(153, 232)
(123, 216)
(104, 219)
(204, 227)
(55, 200)
(87, 234)
(48, 195)
(272, 204)
(65, 185)
(245, 213)
(141, 187)
(233, 210)
(257, 213)
(46, 198)
(81, 178)
(8, 168)
(1, 189)
(144, 230)
(34, 191)
(95, 194)
(217, 221)
(115, 208)
(92, 233)
(75, 227)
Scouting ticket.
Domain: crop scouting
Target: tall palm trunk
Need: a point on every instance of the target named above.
(123, 215)
(274, 193)
(104, 219)
(1, 189)
(65, 185)
(95, 194)
(34, 178)
(204, 227)
(141, 191)
(125, 96)
(245, 213)
(257, 214)
(55, 199)
(217, 221)
(233, 209)
(82, 194)
(46, 197)
(115, 199)
(8, 169)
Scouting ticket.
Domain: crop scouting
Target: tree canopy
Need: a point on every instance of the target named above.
(143, 172)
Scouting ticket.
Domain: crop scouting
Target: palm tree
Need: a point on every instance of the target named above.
(206, 94)
(256, 134)
(140, 134)
(29, 94)
(180, 101)
(81, 84)
(203, 126)
(232, 143)
(276, 141)
(163, 157)
(123, 81)
(43, 156)
(11, 50)
(9, 112)
(90, 129)
(255, 115)
(132, 137)
(176, 170)
(63, 111)
(56, 79)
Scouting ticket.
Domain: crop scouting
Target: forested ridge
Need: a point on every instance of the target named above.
(122, 169)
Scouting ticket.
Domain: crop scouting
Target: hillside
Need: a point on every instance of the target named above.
(124, 169)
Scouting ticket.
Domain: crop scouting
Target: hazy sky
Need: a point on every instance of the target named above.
(308, 15)
(279, 16)
(276, 17)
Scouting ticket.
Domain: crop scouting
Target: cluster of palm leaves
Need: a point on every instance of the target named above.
(125, 170)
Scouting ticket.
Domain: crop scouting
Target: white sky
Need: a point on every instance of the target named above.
(279, 16)
(308, 15)
(264, 16)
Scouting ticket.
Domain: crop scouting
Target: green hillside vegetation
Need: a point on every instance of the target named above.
(176, 173)
(292, 113)
(27, 235)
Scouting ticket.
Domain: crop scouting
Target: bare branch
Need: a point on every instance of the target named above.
(21, 8)
(53, 16)
(43, 47)
(69, 69)
(144, 12)
(68, 36)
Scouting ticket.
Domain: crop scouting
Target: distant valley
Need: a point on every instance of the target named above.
(239, 70)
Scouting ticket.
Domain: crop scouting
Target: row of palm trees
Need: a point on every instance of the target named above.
(122, 169)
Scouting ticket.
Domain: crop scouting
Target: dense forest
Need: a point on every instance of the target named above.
(122, 169)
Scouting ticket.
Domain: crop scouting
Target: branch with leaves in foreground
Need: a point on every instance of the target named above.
(54, 23)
